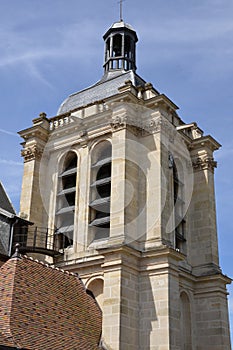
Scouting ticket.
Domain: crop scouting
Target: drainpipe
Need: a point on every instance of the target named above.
(12, 234)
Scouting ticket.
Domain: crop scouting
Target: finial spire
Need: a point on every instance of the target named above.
(16, 253)
(121, 9)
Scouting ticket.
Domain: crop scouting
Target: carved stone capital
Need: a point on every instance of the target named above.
(31, 153)
(153, 126)
(204, 163)
(161, 125)
(118, 122)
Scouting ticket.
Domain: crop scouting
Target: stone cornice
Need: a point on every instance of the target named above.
(205, 142)
(163, 252)
(108, 250)
(161, 100)
(211, 284)
(83, 263)
(211, 278)
(37, 131)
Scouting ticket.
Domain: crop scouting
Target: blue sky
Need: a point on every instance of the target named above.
(49, 49)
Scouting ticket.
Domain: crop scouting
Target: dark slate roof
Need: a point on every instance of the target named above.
(119, 27)
(46, 308)
(106, 87)
(3, 252)
(5, 202)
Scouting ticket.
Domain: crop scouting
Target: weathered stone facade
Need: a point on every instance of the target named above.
(148, 249)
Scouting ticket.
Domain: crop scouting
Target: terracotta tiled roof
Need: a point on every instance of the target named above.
(46, 308)
(7, 341)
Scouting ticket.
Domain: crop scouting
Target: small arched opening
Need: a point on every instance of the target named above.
(96, 286)
(186, 324)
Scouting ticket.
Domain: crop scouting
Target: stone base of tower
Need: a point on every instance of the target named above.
(150, 303)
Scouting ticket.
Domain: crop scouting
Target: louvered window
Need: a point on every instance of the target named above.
(100, 192)
(65, 210)
(178, 210)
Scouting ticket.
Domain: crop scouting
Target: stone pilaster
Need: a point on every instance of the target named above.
(203, 247)
(35, 139)
(121, 296)
(159, 300)
(211, 310)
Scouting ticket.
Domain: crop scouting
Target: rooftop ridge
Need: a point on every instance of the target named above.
(52, 267)
(101, 81)
(70, 273)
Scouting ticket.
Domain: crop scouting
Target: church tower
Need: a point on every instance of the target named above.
(121, 190)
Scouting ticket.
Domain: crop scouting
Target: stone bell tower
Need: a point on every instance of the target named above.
(123, 191)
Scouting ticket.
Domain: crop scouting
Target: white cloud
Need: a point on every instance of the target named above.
(9, 132)
(10, 162)
(35, 73)
(32, 55)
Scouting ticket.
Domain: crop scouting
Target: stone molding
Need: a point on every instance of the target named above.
(123, 122)
(144, 128)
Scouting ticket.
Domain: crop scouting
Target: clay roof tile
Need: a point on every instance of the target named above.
(46, 308)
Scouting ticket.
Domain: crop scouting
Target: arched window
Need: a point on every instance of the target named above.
(186, 324)
(128, 50)
(66, 196)
(178, 209)
(100, 193)
(117, 45)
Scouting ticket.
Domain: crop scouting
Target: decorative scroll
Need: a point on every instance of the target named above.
(118, 123)
(203, 163)
(31, 153)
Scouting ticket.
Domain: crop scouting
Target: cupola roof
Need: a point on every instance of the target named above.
(119, 25)
(119, 66)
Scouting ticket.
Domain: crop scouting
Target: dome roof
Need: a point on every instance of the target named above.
(106, 87)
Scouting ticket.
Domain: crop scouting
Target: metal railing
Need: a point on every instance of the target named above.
(38, 240)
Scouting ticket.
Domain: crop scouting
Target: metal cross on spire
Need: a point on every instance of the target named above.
(121, 9)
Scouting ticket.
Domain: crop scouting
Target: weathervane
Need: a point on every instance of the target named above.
(121, 9)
